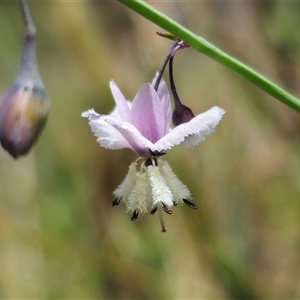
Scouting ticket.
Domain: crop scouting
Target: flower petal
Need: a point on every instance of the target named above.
(130, 134)
(108, 136)
(191, 133)
(121, 103)
(114, 134)
(165, 100)
(91, 114)
(147, 114)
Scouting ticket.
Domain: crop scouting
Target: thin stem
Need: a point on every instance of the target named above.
(162, 69)
(29, 67)
(172, 84)
(211, 51)
(30, 28)
(161, 219)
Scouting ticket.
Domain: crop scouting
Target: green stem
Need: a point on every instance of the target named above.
(211, 51)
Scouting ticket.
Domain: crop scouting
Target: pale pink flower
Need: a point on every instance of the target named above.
(143, 125)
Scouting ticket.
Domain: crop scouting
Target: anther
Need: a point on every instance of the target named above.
(116, 201)
(190, 204)
(154, 210)
(166, 209)
(135, 215)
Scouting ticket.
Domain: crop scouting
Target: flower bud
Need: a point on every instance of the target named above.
(181, 114)
(24, 107)
(23, 114)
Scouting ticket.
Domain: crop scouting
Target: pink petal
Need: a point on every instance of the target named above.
(136, 141)
(164, 97)
(122, 105)
(191, 133)
(115, 134)
(147, 114)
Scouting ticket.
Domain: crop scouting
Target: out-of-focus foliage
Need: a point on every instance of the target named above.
(59, 235)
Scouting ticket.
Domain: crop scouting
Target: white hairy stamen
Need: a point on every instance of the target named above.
(160, 191)
(178, 189)
(137, 199)
(125, 188)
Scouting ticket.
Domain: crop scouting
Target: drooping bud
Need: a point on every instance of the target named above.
(25, 106)
(181, 114)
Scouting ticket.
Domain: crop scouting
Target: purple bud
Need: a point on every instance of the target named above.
(182, 114)
(25, 106)
(23, 114)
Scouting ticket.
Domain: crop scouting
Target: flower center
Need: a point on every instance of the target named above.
(152, 186)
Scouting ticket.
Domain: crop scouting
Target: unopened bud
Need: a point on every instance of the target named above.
(25, 106)
(181, 114)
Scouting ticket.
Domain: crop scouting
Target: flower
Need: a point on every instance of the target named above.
(24, 108)
(143, 125)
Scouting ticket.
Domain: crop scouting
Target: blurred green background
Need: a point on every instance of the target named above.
(59, 235)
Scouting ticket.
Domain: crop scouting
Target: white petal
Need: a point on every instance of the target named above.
(191, 133)
(114, 134)
(91, 114)
(107, 135)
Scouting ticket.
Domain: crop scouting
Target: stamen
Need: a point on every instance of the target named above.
(160, 191)
(138, 198)
(154, 210)
(116, 201)
(166, 209)
(190, 204)
(151, 161)
(179, 190)
(154, 161)
(161, 219)
(142, 166)
(135, 215)
(125, 188)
